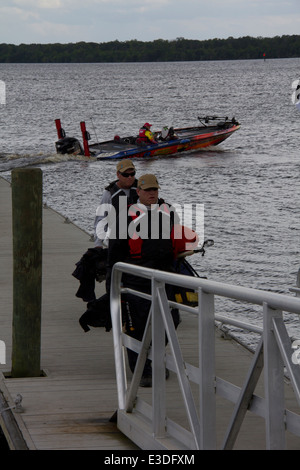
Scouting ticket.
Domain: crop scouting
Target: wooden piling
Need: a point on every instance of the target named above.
(27, 271)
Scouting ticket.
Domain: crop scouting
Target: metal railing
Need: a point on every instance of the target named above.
(149, 426)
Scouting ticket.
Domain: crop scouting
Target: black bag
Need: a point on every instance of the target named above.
(97, 314)
(91, 267)
(183, 295)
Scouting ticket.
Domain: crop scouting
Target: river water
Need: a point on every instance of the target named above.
(249, 184)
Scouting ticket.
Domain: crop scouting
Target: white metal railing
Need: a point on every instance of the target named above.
(149, 426)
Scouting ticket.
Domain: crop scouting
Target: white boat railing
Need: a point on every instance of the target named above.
(149, 426)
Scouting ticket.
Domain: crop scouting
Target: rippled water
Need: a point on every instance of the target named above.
(249, 185)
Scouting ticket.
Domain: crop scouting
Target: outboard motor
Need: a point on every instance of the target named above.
(69, 145)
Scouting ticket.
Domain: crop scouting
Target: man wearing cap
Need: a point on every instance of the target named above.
(147, 241)
(124, 186)
(145, 134)
(147, 237)
(92, 266)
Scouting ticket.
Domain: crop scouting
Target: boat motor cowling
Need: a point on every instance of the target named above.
(69, 145)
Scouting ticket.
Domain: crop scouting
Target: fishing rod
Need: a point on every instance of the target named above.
(94, 129)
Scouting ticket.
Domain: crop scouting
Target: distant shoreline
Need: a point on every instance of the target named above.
(160, 50)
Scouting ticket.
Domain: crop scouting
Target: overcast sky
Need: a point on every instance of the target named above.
(63, 21)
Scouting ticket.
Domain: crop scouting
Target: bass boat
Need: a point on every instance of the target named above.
(211, 131)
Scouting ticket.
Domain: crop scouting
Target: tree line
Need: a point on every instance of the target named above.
(159, 50)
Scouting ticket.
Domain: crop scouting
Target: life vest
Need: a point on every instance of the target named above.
(173, 237)
(116, 192)
(184, 239)
(150, 240)
(102, 220)
(145, 135)
(142, 135)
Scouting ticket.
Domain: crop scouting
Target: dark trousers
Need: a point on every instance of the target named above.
(137, 316)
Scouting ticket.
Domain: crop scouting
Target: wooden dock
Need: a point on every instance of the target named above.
(70, 405)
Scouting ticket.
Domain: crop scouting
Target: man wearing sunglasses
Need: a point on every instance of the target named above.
(92, 266)
(125, 185)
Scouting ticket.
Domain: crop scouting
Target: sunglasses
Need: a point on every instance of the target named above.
(150, 189)
(126, 175)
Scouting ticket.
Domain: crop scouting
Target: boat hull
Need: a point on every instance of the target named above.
(187, 144)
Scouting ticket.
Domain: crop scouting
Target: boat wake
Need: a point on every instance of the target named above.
(11, 161)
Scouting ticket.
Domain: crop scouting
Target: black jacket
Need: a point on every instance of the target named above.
(153, 247)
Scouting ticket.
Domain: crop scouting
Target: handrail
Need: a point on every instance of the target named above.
(273, 353)
(255, 296)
